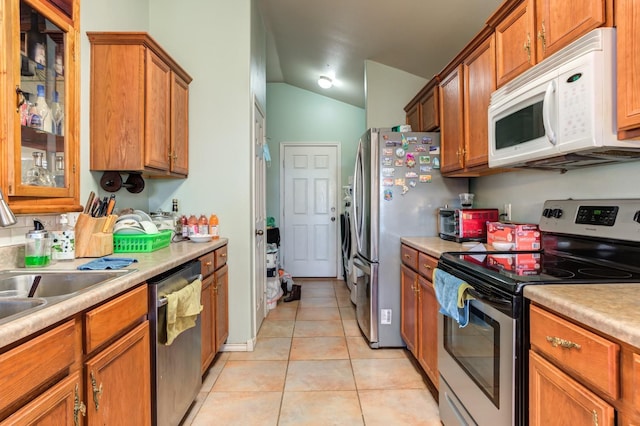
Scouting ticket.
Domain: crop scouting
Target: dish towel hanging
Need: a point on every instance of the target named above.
(452, 296)
(107, 263)
(183, 308)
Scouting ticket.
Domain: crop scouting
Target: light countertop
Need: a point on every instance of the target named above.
(433, 246)
(147, 266)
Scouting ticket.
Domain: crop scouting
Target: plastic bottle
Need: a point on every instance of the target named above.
(214, 228)
(203, 225)
(63, 246)
(192, 225)
(185, 226)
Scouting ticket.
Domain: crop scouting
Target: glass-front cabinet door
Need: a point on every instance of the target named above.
(43, 160)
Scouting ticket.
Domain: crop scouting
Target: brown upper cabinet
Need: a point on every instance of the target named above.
(139, 107)
(535, 29)
(465, 92)
(423, 112)
(628, 37)
(40, 146)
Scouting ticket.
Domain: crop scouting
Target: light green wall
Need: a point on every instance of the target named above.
(297, 115)
(387, 91)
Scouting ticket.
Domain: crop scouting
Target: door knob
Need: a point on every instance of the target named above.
(333, 219)
(259, 232)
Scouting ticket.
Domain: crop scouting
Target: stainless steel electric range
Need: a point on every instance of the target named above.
(483, 366)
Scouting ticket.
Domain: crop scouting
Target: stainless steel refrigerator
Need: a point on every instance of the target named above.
(397, 189)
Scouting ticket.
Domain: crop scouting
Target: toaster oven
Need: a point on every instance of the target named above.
(465, 224)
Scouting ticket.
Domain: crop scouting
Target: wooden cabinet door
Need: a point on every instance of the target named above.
(409, 308)
(515, 42)
(157, 112)
(221, 293)
(479, 83)
(413, 118)
(429, 117)
(118, 381)
(559, 22)
(451, 122)
(179, 125)
(428, 329)
(59, 405)
(207, 317)
(555, 399)
(627, 39)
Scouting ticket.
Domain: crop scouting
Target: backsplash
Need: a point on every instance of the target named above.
(14, 235)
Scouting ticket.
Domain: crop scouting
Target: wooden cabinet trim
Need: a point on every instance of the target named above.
(409, 256)
(426, 265)
(110, 319)
(221, 257)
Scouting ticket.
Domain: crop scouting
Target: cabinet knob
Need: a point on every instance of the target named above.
(209, 263)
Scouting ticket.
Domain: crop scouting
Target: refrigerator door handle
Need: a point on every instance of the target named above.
(357, 199)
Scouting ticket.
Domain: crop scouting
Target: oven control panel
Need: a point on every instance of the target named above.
(605, 218)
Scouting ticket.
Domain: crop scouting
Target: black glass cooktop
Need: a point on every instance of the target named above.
(513, 270)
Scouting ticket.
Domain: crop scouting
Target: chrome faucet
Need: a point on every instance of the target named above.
(6, 215)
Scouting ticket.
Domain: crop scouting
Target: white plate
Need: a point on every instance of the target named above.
(143, 215)
(200, 238)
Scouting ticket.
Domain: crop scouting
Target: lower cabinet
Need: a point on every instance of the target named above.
(118, 381)
(579, 376)
(215, 304)
(419, 309)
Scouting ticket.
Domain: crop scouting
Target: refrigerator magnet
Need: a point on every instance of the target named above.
(425, 159)
(387, 152)
(412, 139)
(421, 148)
(411, 175)
(388, 195)
(434, 150)
(387, 161)
(405, 143)
(425, 169)
(400, 152)
(436, 163)
(388, 171)
(399, 162)
(400, 182)
(425, 178)
(387, 182)
(426, 140)
(411, 160)
(412, 183)
(405, 189)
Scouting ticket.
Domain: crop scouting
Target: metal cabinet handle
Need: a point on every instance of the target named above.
(406, 256)
(97, 391)
(223, 255)
(527, 47)
(428, 267)
(542, 37)
(567, 344)
(594, 415)
(78, 407)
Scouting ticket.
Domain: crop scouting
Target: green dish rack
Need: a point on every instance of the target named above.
(127, 243)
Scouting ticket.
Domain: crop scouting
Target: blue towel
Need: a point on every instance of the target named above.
(452, 296)
(108, 263)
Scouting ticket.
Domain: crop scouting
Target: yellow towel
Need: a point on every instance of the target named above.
(463, 294)
(183, 307)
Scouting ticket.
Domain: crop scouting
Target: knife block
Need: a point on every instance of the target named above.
(94, 235)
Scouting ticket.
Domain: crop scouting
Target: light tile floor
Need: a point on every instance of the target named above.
(311, 366)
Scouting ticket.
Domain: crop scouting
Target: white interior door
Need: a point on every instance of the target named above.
(260, 273)
(310, 215)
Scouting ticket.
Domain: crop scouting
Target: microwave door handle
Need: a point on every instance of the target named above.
(546, 110)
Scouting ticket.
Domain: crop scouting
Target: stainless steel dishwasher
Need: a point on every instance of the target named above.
(175, 368)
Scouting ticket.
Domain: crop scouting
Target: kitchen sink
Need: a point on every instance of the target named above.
(53, 284)
(13, 306)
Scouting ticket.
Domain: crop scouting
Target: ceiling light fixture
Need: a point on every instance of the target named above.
(325, 82)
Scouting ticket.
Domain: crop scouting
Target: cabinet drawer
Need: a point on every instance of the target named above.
(208, 264)
(426, 265)
(37, 362)
(591, 358)
(409, 257)
(114, 317)
(221, 257)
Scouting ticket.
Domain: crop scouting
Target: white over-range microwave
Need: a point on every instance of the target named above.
(561, 113)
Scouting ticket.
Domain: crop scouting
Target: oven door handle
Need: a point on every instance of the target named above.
(498, 302)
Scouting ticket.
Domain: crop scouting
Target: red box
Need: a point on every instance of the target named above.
(523, 236)
(518, 263)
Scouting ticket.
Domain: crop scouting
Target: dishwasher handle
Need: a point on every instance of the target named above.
(162, 301)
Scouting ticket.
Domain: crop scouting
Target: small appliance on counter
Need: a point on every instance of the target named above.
(465, 224)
